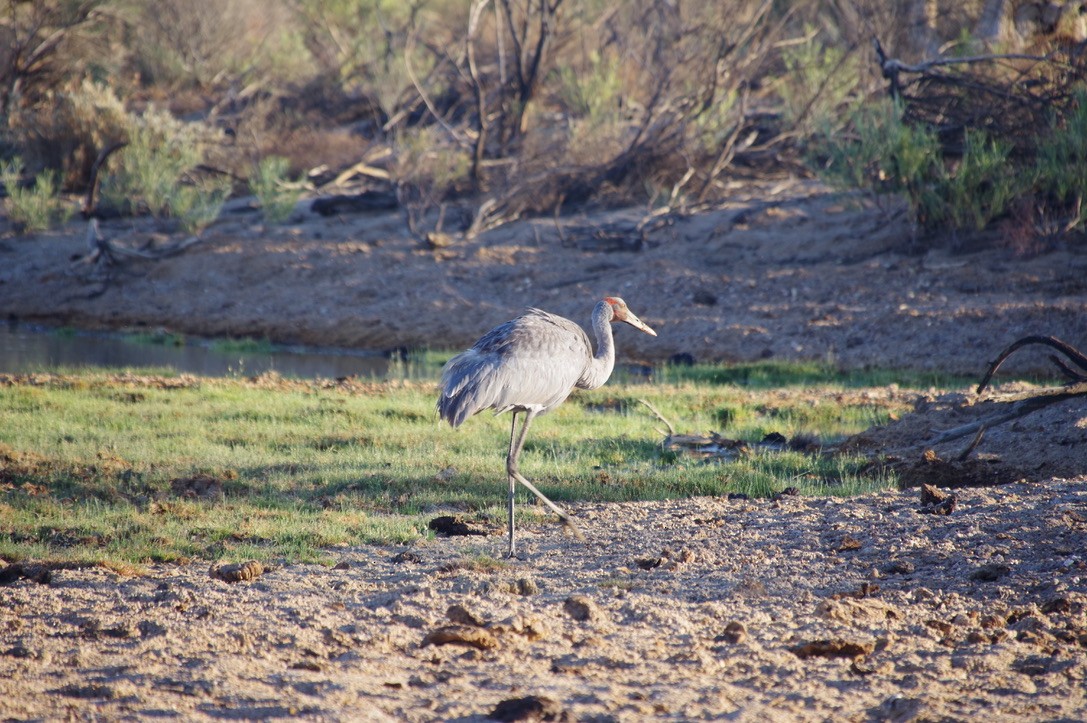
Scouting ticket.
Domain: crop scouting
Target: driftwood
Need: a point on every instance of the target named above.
(105, 255)
(1074, 355)
(1022, 404)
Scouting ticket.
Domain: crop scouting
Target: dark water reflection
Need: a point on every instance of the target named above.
(25, 348)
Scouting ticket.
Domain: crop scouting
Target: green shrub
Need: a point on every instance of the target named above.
(889, 157)
(68, 129)
(268, 183)
(1061, 164)
(33, 209)
(984, 184)
(155, 172)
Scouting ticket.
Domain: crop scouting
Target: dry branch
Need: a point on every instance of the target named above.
(1074, 355)
(1019, 406)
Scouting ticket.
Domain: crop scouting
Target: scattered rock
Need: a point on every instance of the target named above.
(525, 625)
(581, 608)
(935, 502)
(849, 610)
(526, 586)
(848, 543)
(469, 635)
(237, 572)
(899, 567)
(929, 494)
(407, 556)
(530, 708)
(734, 633)
(463, 616)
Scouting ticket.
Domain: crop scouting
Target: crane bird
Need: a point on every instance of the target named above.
(530, 365)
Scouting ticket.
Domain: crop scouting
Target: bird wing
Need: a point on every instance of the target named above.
(531, 362)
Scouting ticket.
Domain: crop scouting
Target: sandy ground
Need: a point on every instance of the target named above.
(876, 608)
(858, 609)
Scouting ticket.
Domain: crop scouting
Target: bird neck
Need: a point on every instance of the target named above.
(603, 360)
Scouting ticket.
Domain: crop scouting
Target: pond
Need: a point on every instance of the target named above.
(28, 348)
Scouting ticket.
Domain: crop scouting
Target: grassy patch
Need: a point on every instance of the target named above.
(129, 469)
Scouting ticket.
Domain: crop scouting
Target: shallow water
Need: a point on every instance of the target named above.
(26, 348)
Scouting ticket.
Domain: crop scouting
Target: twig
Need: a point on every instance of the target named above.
(671, 429)
(1020, 408)
(974, 444)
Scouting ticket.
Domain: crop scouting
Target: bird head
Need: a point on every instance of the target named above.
(620, 312)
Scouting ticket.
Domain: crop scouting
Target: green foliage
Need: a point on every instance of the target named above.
(819, 83)
(68, 129)
(594, 92)
(270, 185)
(427, 160)
(884, 155)
(1061, 165)
(155, 172)
(36, 208)
(983, 185)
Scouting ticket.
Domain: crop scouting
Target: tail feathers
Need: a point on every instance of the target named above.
(462, 393)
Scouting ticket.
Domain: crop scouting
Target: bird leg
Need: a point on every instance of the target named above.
(511, 466)
(517, 443)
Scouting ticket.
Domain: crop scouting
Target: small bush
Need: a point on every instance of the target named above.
(885, 156)
(888, 157)
(277, 199)
(68, 129)
(155, 172)
(1061, 164)
(984, 184)
(33, 209)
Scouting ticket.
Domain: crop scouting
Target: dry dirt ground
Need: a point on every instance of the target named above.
(881, 607)
(786, 270)
(860, 609)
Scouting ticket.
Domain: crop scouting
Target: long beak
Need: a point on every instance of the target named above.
(637, 323)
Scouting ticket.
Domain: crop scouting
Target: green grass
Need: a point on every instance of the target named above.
(93, 466)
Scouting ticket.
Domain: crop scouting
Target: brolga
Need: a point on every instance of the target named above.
(528, 366)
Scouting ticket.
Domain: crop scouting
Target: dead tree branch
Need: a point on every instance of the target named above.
(1074, 355)
(1020, 408)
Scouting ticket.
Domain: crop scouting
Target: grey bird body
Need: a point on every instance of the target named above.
(530, 365)
(532, 362)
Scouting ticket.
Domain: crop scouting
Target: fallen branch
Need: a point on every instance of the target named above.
(1074, 355)
(671, 429)
(1020, 408)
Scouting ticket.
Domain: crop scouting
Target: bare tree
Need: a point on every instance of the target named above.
(32, 39)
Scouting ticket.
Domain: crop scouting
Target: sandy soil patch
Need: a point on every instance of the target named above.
(795, 609)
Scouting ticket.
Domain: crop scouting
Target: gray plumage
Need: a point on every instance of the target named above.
(531, 364)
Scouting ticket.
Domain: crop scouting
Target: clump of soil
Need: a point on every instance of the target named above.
(1049, 442)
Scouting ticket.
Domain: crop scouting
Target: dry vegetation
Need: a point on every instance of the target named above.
(469, 113)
